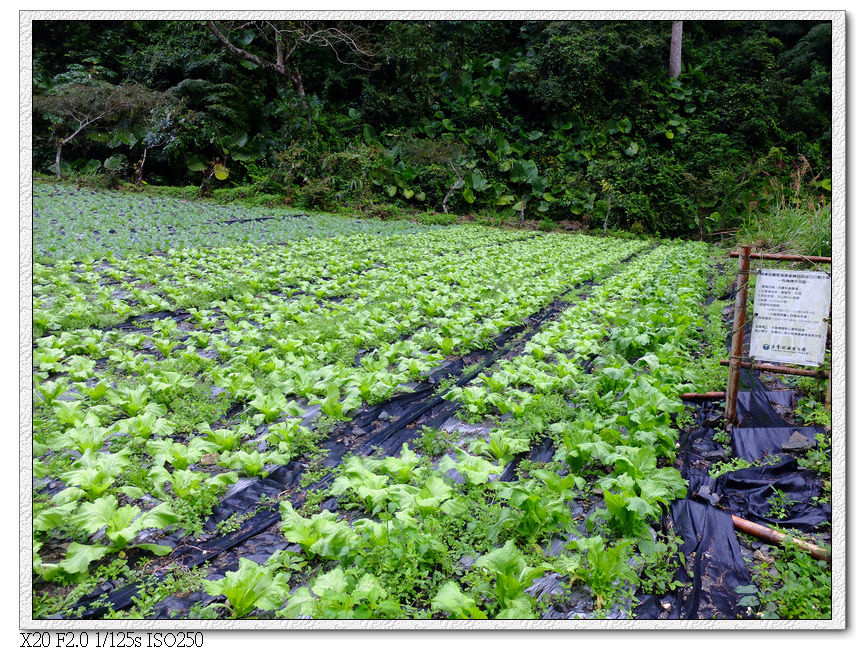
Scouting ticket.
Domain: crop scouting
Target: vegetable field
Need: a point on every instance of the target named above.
(254, 413)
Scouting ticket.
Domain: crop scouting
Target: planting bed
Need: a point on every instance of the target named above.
(248, 413)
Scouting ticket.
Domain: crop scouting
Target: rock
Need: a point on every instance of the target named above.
(797, 442)
(705, 493)
(466, 561)
(331, 505)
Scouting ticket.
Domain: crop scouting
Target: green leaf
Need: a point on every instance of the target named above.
(369, 135)
(79, 557)
(334, 580)
(220, 171)
(94, 515)
(51, 518)
(244, 154)
(197, 163)
(157, 549)
(468, 195)
(632, 149)
(159, 516)
(115, 163)
(452, 600)
(252, 585)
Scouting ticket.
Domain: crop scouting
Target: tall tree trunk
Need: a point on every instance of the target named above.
(676, 49)
(138, 173)
(301, 93)
(57, 159)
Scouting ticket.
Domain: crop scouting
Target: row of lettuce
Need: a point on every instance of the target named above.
(427, 536)
(141, 424)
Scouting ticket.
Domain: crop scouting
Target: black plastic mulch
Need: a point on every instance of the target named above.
(703, 519)
(381, 428)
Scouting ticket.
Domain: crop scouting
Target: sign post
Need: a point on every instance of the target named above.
(791, 321)
(738, 332)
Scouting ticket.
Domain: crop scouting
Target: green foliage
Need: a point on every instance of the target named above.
(791, 585)
(819, 458)
(251, 586)
(601, 565)
(779, 503)
(663, 560)
(541, 119)
(795, 230)
(509, 574)
(341, 595)
(723, 467)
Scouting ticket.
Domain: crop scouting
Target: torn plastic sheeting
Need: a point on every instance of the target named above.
(136, 322)
(753, 494)
(718, 567)
(753, 444)
(698, 450)
(281, 479)
(745, 492)
(188, 555)
(754, 406)
(250, 498)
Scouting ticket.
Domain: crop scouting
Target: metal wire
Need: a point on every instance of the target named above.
(744, 325)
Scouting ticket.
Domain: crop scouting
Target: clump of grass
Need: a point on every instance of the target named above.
(791, 229)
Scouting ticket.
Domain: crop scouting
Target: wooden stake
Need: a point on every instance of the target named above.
(738, 333)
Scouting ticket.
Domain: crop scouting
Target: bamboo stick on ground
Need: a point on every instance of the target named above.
(773, 536)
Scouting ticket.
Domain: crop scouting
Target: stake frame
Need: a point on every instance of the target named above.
(735, 362)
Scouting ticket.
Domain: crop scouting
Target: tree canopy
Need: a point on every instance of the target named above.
(563, 120)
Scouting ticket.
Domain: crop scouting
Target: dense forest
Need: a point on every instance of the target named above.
(581, 121)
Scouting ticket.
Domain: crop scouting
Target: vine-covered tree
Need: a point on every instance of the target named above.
(77, 107)
(350, 43)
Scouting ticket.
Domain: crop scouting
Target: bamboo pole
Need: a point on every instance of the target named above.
(784, 257)
(828, 401)
(696, 396)
(773, 536)
(782, 370)
(738, 333)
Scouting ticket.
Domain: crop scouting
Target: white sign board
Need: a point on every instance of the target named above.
(790, 312)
